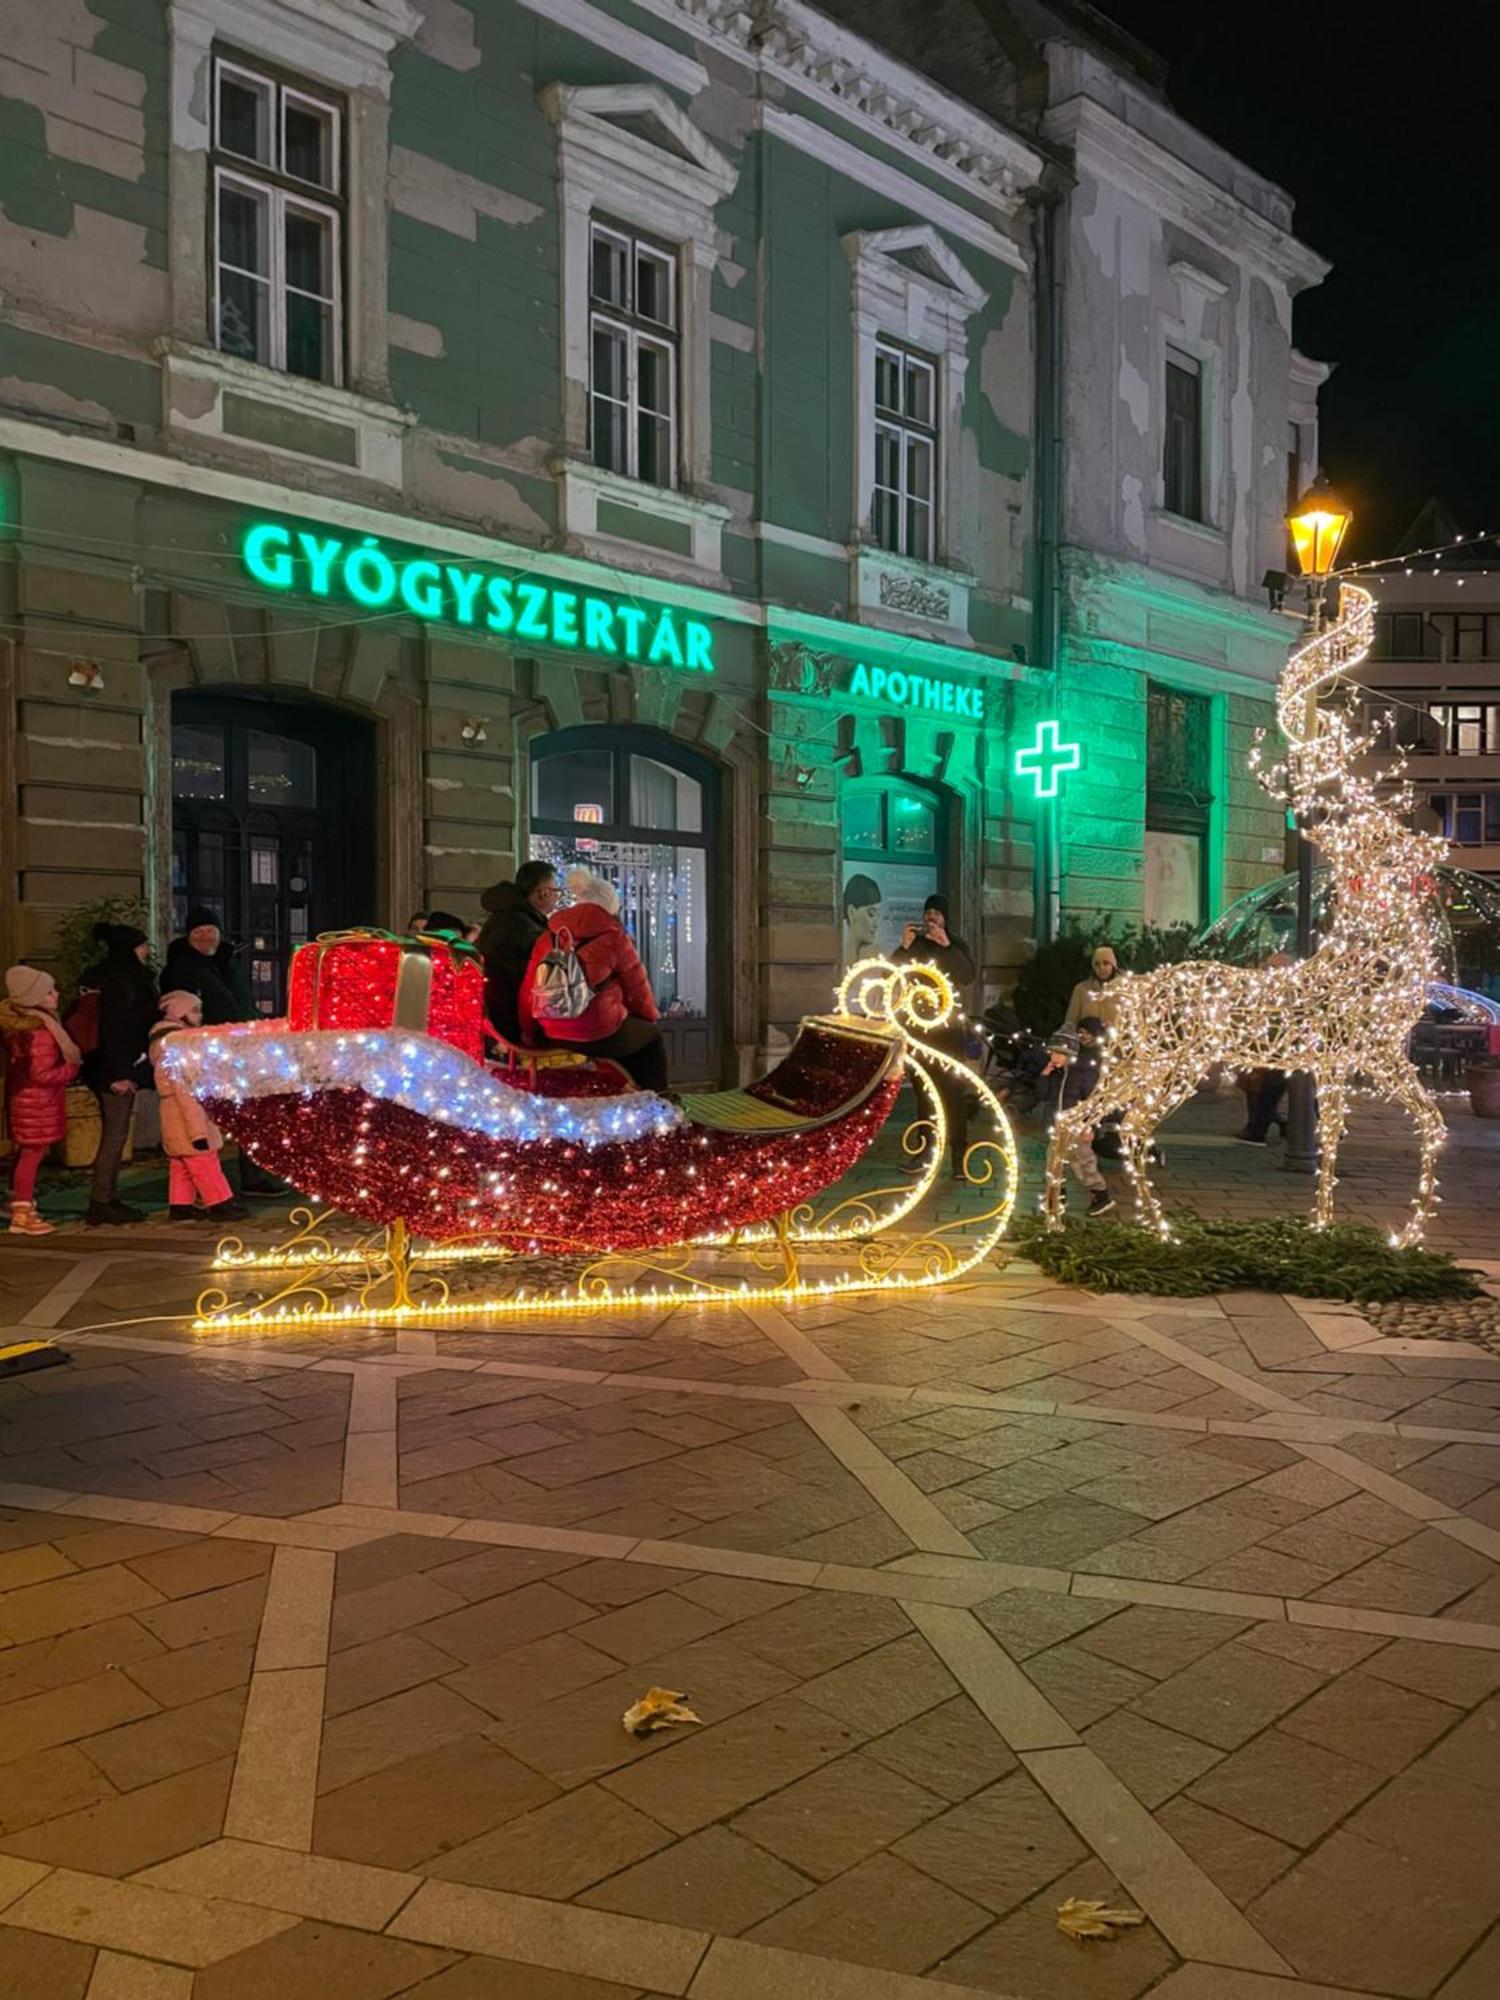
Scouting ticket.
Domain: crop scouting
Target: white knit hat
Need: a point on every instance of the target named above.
(29, 986)
(179, 1005)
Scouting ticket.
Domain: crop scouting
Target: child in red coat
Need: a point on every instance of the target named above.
(41, 1060)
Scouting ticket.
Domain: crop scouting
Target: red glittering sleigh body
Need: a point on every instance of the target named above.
(372, 1095)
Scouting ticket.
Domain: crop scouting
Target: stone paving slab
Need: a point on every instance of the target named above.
(314, 1647)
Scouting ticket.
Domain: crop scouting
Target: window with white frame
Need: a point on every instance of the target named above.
(277, 222)
(1182, 436)
(634, 329)
(903, 515)
(1469, 728)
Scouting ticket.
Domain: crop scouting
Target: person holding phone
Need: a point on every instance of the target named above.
(931, 942)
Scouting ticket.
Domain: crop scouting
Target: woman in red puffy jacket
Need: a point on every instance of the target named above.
(41, 1060)
(620, 1019)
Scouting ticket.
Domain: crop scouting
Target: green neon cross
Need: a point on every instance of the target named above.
(1047, 759)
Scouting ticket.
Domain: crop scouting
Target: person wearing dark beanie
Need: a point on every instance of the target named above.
(115, 1015)
(203, 961)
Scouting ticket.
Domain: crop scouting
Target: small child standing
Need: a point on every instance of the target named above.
(189, 1139)
(1073, 1058)
(41, 1060)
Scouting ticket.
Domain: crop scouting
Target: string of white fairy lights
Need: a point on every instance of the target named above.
(1344, 1014)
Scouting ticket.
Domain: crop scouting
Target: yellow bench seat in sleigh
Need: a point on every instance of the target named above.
(373, 1098)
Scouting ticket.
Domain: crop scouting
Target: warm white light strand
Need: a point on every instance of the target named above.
(1345, 1014)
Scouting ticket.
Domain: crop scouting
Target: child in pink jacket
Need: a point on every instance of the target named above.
(189, 1139)
(41, 1060)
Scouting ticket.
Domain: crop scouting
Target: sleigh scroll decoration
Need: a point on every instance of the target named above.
(579, 1194)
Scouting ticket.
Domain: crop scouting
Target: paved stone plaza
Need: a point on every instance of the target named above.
(314, 1649)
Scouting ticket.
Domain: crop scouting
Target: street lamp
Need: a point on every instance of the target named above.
(1317, 526)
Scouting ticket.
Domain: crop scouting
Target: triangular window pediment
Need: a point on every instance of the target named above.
(645, 125)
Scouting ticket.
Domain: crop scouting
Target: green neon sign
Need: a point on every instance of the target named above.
(898, 688)
(481, 598)
(1047, 760)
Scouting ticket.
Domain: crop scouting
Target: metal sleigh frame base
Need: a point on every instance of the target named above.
(869, 1242)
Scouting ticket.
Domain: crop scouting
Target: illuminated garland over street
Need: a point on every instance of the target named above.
(1343, 1015)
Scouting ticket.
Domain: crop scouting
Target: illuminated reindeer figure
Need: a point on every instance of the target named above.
(1342, 1015)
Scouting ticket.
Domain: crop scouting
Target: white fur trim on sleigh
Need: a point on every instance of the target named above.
(417, 1071)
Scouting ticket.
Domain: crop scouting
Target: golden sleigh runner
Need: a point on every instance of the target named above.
(584, 1196)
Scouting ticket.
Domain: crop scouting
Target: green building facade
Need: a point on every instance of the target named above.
(433, 434)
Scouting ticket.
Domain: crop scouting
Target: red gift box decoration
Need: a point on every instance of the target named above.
(372, 979)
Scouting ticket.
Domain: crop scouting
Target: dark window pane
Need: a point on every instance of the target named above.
(609, 363)
(281, 771)
(610, 270)
(654, 288)
(1183, 443)
(887, 381)
(610, 421)
(197, 761)
(243, 238)
(309, 338)
(245, 118)
(661, 796)
(309, 253)
(863, 818)
(570, 779)
(913, 824)
(654, 450)
(919, 396)
(308, 144)
(654, 378)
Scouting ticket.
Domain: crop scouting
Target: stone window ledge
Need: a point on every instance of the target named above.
(911, 596)
(214, 397)
(1202, 531)
(659, 527)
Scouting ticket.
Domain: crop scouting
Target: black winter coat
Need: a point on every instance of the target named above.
(505, 944)
(219, 980)
(127, 1014)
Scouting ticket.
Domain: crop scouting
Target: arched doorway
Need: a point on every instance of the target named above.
(894, 837)
(638, 809)
(272, 824)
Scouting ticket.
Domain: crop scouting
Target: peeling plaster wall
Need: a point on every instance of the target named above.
(1155, 259)
(456, 347)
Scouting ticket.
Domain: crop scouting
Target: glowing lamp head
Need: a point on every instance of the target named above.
(1318, 524)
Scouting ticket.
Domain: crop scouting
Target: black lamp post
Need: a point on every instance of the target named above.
(1317, 525)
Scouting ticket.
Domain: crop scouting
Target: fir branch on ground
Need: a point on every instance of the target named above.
(1348, 1261)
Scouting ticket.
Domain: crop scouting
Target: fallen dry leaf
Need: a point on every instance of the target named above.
(658, 1708)
(1080, 1917)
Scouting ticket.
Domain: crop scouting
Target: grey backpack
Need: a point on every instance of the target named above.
(560, 987)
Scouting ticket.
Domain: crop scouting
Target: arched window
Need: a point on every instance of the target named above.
(894, 837)
(636, 808)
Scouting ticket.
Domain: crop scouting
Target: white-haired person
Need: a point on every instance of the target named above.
(586, 989)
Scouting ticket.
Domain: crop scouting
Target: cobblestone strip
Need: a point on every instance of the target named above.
(69, 1289)
(274, 1789)
(1189, 1910)
(897, 1495)
(370, 1443)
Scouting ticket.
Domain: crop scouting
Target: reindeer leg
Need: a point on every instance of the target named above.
(1432, 1132)
(1333, 1111)
(1136, 1133)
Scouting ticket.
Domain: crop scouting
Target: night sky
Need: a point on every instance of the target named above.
(1384, 127)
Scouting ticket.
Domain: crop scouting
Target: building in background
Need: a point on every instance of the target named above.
(712, 444)
(1187, 418)
(1435, 670)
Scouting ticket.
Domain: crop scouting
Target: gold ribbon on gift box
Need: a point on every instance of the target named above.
(413, 979)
